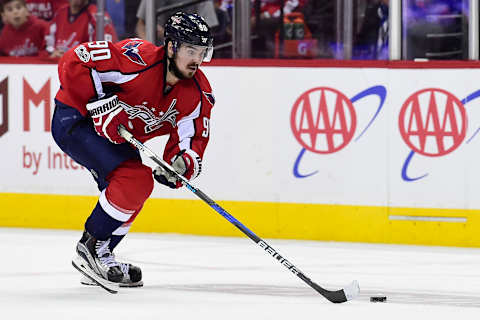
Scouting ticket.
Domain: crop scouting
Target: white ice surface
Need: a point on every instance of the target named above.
(189, 277)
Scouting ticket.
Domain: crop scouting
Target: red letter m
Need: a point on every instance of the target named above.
(36, 98)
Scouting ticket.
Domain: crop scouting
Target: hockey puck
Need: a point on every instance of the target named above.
(378, 299)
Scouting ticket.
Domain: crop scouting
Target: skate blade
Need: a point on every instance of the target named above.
(79, 264)
(132, 285)
(87, 282)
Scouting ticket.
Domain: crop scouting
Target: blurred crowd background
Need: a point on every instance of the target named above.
(287, 29)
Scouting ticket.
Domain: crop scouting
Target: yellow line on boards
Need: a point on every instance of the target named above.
(375, 224)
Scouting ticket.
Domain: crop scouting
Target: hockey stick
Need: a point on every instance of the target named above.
(350, 292)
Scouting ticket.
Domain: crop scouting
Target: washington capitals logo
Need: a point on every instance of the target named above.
(209, 97)
(152, 122)
(131, 52)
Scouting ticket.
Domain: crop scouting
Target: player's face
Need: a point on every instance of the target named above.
(189, 58)
(77, 5)
(15, 13)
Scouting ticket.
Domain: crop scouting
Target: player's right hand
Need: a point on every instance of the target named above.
(183, 165)
(107, 114)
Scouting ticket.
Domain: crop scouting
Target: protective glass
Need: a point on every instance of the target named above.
(199, 53)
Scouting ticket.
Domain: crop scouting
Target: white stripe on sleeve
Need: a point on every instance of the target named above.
(116, 77)
(97, 83)
(186, 128)
(109, 76)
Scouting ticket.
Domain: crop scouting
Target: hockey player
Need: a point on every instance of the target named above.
(150, 90)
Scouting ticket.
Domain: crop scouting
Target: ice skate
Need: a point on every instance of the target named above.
(95, 261)
(132, 277)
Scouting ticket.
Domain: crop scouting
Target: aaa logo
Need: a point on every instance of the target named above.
(433, 122)
(323, 120)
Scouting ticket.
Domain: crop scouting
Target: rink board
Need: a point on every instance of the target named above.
(266, 219)
(372, 152)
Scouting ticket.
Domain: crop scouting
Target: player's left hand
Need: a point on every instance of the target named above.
(107, 114)
(183, 164)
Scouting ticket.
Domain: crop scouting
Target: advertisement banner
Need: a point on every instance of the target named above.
(314, 141)
(386, 137)
(328, 135)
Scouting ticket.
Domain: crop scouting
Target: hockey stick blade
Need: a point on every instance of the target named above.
(348, 293)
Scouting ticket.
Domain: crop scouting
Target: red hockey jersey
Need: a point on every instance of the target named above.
(28, 40)
(44, 9)
(135, 70)
(67, 31)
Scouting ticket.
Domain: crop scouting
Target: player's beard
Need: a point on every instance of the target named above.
(176, 71)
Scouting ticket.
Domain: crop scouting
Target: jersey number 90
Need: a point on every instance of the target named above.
(100, 50)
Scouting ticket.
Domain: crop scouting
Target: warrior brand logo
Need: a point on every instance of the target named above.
(326, 126)
(104, 108)
(151, 121)
(432, 122)
(131, 52)
(277, 256)
(4, 107)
